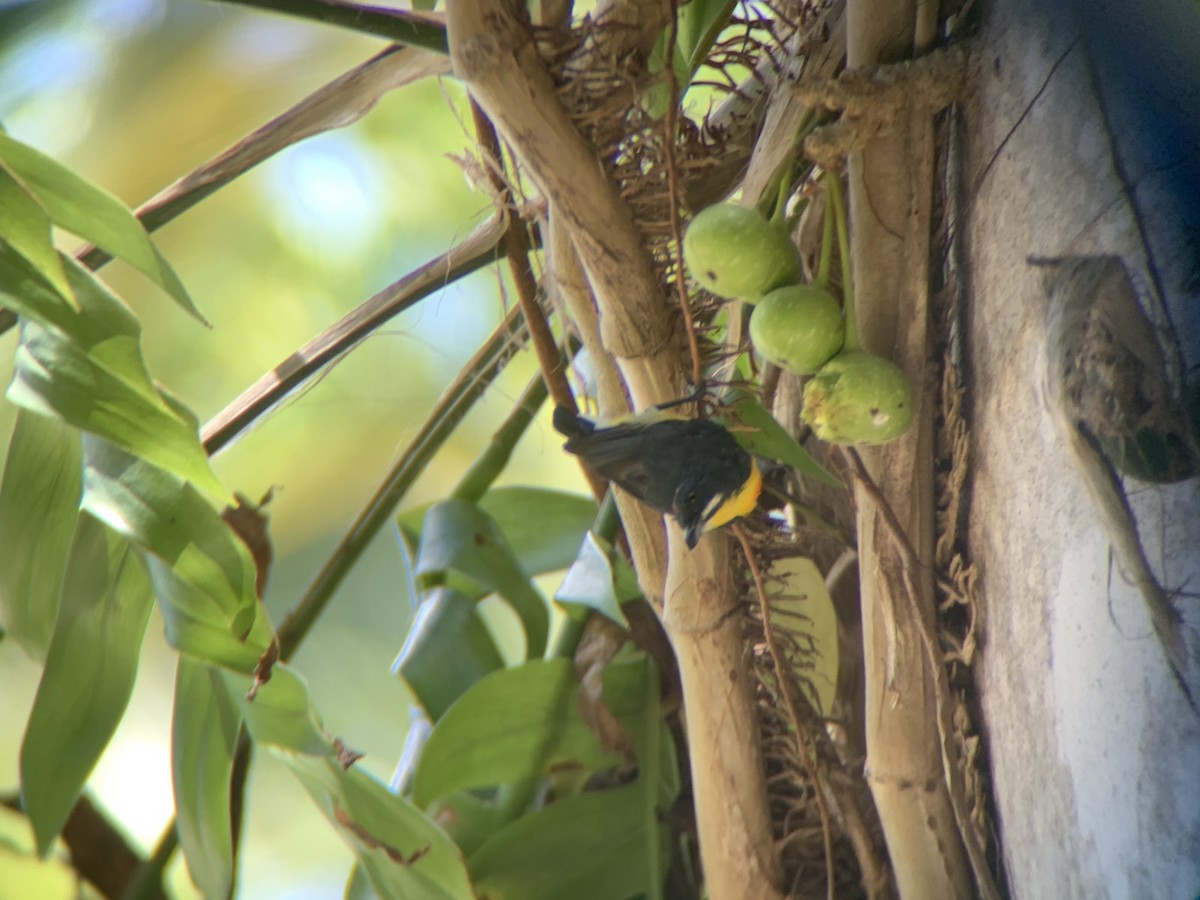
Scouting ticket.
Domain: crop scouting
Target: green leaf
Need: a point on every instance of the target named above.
(204, 733)
(89, 675)
(202, 573)
(85, 366)
(280, 712)
(26, 228)
(512, 724)
(543, 527)
(459, 536)
(588, 847)
(77, 205)
(39, 505)
(468, 819)
(403, 854)
(448, 649)
(699, 23)
(770, 439)
(599, 580)
(601, 844)
(798, 591)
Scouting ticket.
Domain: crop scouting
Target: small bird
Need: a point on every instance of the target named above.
(691, 469)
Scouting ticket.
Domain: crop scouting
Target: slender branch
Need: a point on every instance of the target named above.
(404, 27)
(516, 243)
(673, 193)
(454, 404)
(792, 707)
(491, 462)
(475, 252)
(147, 884)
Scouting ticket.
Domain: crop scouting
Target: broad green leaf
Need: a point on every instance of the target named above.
(448, 649)
(280, 712)
(593, 846)
(767, 438)
(599, 580)
(467, 819)
(82, 208)
(204, 731)
(26, 228)
(543, 527)
(512, 724)
(89, 674)
(404, 855)
(203, 575)
(460, 537)
(798, 592)
(39, 505)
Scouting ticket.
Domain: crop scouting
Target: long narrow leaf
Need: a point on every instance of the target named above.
(25, 226)
(449, 647)
(204, 730)
(82, 208)
(39, 504)
(89, 675)
(513, 724)
(404, 855)
(85, 367)
(459, 536)
(203, 575)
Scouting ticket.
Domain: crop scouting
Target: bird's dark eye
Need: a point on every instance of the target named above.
(691, 496)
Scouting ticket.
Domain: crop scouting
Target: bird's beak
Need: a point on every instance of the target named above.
(693, 533)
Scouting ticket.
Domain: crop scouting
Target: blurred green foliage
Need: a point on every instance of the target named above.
(132, 94)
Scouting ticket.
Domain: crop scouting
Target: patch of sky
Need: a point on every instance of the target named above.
(326, 193)
(266, 45)
(452, 323)
(45, 85)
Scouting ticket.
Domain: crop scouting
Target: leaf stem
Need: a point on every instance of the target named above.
(826, 261)
(491, 462)
(833, 184)
(452, 407)
(398, 25)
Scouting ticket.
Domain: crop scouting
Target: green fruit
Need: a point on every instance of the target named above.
(734, 252)
(799, 328)
(858, 398)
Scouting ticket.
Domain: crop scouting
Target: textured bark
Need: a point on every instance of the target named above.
(494, 56)
(891, 185)
(1081, 143)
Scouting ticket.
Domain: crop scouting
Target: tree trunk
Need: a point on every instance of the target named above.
(1081, 133)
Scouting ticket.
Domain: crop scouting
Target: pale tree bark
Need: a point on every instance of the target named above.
(1081, 142)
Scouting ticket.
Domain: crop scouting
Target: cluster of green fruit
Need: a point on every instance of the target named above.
(854, 397)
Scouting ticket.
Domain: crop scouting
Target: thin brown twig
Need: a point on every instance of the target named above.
(670, 122)
(791, 705)
(516, 245)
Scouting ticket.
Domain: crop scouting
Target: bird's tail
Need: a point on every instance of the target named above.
(570, 424)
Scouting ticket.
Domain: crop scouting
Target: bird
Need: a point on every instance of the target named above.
(691, 469)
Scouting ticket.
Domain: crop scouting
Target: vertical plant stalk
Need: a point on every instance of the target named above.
(495, 57)
(451, 408)
(891, 189)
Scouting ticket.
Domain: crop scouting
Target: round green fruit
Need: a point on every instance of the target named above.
(858, 398)
(734, 252)
(799, 328)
